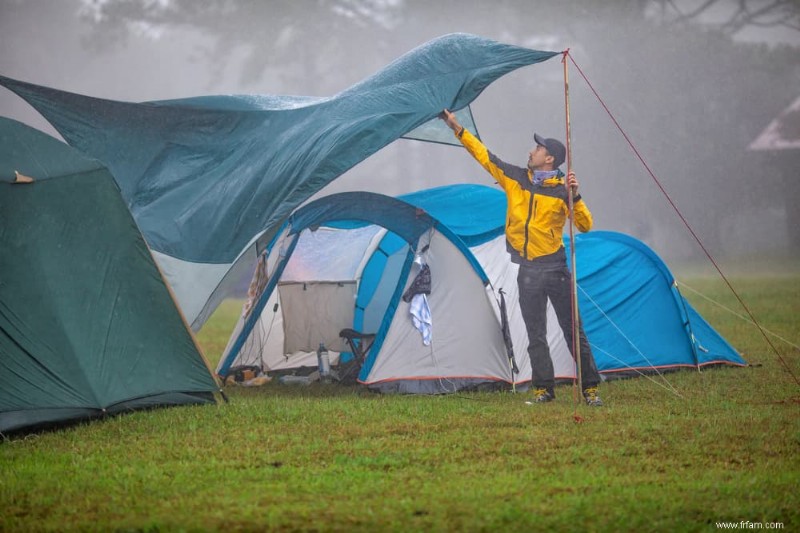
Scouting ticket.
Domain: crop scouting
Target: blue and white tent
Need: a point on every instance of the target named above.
(346, 260)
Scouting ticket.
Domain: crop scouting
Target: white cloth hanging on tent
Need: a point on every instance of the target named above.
(417, 296)
(421, 317)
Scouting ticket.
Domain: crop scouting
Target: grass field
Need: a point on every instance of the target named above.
(324, 458)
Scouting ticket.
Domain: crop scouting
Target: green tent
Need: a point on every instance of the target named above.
(87, 325)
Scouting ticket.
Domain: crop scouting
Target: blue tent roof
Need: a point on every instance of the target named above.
(475, 213)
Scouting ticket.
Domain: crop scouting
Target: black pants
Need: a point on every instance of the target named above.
(536, 285)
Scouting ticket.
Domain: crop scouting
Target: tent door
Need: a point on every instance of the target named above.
(315, 312)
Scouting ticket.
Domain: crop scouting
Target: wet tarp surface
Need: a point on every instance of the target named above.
(203, 176)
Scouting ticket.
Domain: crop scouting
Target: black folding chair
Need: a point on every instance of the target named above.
(359, 344)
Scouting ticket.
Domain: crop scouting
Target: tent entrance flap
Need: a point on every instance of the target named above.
(315, 312)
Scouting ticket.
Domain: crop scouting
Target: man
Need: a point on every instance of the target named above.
(536, 214)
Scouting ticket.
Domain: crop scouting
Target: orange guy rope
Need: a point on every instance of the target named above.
(675, 208)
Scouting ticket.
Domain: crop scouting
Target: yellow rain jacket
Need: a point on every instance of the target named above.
(536, 214)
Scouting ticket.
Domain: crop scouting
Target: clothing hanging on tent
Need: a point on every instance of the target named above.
(417, 296)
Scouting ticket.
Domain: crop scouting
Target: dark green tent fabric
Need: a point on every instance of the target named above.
(87, 325)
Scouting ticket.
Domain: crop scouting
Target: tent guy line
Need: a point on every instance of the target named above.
(668, 385)
(738, 315)
(669, 199)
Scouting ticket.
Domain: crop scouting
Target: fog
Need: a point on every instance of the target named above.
(691, 89)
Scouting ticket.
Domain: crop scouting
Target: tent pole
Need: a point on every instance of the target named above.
(576, 345)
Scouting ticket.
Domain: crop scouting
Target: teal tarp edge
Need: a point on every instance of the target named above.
(38, 156)
(264, 155)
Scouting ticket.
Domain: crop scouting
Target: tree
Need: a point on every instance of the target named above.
(737, 15)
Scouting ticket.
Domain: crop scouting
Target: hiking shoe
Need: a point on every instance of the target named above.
(543, 395)
(591, 397)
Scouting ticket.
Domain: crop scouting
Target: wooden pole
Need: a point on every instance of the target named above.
(576, 345)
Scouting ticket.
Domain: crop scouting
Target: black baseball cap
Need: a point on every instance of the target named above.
(554, 147)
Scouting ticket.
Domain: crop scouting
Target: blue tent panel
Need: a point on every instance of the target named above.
(633, 315)
(476, 213)
(374, 278)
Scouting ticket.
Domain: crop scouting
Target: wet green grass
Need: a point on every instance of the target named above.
(326, 458)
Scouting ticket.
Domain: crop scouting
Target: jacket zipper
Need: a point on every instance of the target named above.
(531, 214)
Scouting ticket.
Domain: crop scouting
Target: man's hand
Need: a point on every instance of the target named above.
(572, 181)
(451, 120)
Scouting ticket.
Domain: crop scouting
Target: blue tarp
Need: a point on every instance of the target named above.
(204, 176)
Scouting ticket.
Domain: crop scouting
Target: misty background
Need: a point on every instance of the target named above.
(692, 83)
